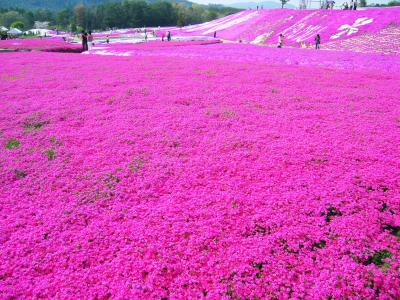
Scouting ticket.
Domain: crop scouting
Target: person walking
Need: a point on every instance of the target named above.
(168, 36)
(84, 39)
(280, 40)
(317, 41)
(215, 34)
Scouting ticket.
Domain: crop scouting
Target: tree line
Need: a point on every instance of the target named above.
(125, 14)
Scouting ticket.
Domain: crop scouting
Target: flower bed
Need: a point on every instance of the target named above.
(55, 44)
(154, 177)
(264, 26)
(255, 54)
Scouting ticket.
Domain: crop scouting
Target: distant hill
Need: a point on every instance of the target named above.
(60, 4)
(253, 5)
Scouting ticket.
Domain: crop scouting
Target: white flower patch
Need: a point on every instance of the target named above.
(303, 32)
(232, 23)
(105, 52)
(300, 31)
(351, 29)
(212, 23)
(261, 38)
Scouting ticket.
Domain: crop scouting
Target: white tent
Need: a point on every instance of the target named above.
(41, 32)
(14, 31)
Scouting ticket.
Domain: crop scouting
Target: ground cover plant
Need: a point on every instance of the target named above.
(167, 177)
(379, 28)
(53, 44)
(254, 54)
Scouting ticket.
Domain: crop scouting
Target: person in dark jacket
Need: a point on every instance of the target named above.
(317, 41)
(84, 38)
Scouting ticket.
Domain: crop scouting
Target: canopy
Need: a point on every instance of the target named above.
(14, 31)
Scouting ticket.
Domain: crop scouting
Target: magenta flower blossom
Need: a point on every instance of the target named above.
(187, 171)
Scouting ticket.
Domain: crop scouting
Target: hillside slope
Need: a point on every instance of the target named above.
(372, 30)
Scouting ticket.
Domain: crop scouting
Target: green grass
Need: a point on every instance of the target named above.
(51, 154)
(12, 143)
(378, 258)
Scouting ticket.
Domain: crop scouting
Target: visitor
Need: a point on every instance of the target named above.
(317, 41)
(84, 39)
(257, 7)
(345, 6)
(90, 40)
(145, 36)
(168, 36)
(162, 37)
(107, 39)
(355, 5)
(280, 40)
(332, 4)
(215, 34)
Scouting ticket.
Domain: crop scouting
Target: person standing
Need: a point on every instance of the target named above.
(90, 40)
(355, 4)
(84, 39)
(317, 41)
(280, 40)
(168, 36)
(215, 34)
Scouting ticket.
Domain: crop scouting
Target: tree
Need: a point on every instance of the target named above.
(79, 12)
(363, 3)
(64, 18)
(18, 25)
(283, 2)
(9, 17)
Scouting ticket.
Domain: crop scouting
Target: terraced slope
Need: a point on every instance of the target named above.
(372, 30)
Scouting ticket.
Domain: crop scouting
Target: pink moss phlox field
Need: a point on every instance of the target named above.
(43, 44)
(154, 177)
(264, 26)
(214, 50)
